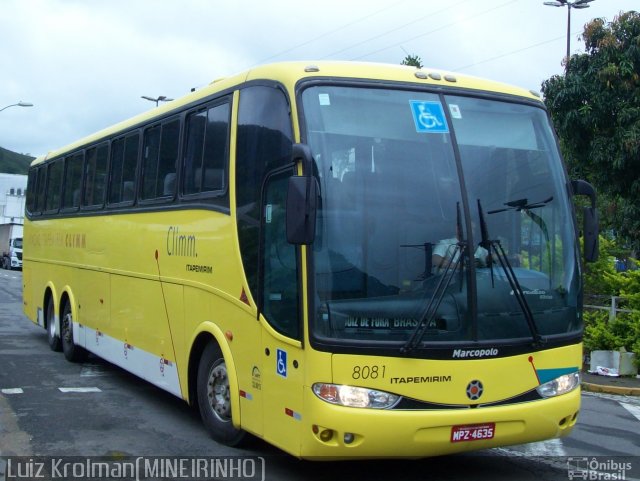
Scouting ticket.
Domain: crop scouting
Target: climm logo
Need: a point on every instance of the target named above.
(180, 245)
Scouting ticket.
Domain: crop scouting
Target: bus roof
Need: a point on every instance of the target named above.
(289, 73)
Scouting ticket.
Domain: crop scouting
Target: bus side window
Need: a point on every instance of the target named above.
(32, 191)
(54, 185)
(193, 151)
(279, 287)
(264, 143)
(124, 157)
(159, 157)
(42, 177)
(150, 155)
(72, 181)
(207, 151)
(95, 175)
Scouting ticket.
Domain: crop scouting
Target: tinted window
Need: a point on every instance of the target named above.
(264, 143)
(95, 174)
(72, 181)
(124, 157)
(279, 286)
(159, 161)
(150, 156)
(31, 190)
(39, 205)
(54, 185)
(205, 163)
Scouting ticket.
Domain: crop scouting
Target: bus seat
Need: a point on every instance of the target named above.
(348, 190)
(169, 184)
(127, 190)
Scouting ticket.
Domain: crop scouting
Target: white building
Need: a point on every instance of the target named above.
(13, 189)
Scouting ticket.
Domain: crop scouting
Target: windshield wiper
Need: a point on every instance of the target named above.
(427, 318)
(521, 204)
(496, 246)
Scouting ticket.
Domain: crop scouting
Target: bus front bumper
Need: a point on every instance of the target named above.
(337, 432)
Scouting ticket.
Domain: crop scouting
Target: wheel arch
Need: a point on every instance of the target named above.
(50, 294)
(67, 297)
(209, 332)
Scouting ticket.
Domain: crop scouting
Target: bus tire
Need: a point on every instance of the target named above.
(71, 352)
(55, 343)
(214, 397)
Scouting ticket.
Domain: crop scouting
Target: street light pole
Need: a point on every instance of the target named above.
(162, 98)
(19, 104)
(579, 4)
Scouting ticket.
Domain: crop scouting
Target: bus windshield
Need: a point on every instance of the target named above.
(428, 203)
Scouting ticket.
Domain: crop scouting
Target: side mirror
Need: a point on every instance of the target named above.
(590, 218)
(302, 200)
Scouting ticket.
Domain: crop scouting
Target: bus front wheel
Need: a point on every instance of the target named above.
(54, 339)
(71, 351)
(214, 397)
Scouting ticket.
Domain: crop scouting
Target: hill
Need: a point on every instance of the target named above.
(13, 163)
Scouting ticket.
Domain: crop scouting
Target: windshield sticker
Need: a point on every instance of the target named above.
(324, 99)
(429, 117)
(455, 111)
(380, 323)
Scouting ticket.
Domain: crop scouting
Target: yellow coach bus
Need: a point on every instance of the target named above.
(345, 260)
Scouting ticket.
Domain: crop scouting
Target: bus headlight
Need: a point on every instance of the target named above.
(559, 385)
(355, 397)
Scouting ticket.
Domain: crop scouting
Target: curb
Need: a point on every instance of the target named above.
(619, 390)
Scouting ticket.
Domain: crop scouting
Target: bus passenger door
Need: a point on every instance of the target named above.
(282, 372)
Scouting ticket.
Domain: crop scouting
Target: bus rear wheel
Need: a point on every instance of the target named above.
(54, 339)
(214, 398)
(72, 352)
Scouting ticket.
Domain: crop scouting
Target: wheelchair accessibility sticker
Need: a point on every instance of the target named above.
(281, 362)
(429, 117)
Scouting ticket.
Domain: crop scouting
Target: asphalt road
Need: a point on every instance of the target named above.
(49, 407)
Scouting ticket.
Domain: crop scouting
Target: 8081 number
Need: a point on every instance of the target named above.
(369, 372)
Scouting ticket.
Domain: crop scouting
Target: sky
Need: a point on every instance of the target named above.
(84, 64)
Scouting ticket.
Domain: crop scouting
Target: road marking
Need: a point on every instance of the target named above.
(92, 370)
(15, 390)
(635, 410)
(552, 448)
(79, 389)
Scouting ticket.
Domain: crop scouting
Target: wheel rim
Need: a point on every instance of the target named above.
(67, 333)
(52, 328)
(218, 392)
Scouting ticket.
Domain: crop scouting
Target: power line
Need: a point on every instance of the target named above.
(395, 29)
(512, 52)
(435, 30)
(330, 32)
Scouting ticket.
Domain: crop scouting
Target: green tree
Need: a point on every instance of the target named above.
(413, 60)
(14, 163)
(595, 106)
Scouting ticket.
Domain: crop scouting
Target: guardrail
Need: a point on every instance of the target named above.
(612, 308)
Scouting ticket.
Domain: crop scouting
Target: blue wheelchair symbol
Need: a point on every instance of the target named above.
(429, 117)
(281, 362)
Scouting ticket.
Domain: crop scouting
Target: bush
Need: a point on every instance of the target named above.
(623, 332)
(602, 279)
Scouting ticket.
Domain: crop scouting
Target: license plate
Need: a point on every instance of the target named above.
(472, 432)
